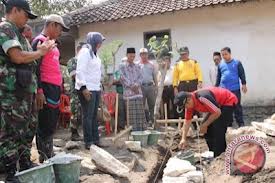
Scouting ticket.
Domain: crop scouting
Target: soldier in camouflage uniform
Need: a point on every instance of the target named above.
(17, 88)
(75, 103)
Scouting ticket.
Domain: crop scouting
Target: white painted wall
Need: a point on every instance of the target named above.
(248, 28)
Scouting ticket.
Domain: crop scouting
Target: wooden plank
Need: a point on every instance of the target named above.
(116, 113)
(176, 120)
(122, 133)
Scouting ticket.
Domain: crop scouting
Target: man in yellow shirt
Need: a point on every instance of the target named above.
(187, 73)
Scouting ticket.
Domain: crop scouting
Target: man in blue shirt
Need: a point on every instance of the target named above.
(230, 72)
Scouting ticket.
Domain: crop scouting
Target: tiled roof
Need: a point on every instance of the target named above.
(119, 9)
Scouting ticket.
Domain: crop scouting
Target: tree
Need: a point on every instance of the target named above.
(160, 49)
(107, 55)
(47, 7)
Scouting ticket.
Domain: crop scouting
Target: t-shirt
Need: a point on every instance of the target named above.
(210, 100)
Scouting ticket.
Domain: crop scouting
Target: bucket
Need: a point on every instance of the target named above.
(141, 136)
(66, 168)
(153, 137)
(40, 174)
(187, 155)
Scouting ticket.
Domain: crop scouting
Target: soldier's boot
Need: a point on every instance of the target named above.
(11, 177)
(10, 170)
(26, 163)
(75, 135)
(45, 148)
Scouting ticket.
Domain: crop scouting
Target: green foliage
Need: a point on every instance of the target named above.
(47, 7)
(159, 46)
(108, 51)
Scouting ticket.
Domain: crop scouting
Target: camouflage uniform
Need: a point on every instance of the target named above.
(17, 87)
(75, 103)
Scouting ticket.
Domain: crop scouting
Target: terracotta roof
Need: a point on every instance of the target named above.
(119, 9)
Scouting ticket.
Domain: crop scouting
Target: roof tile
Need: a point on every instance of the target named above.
(119, 9)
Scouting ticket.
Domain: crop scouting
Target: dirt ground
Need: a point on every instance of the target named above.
(145, 165)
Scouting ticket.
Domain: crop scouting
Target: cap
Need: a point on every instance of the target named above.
(23, 4)
(184, 50)
(131, 50)
(180, 99)
(57, 19)
(143, 50)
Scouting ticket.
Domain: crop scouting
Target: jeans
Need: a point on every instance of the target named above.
(89, 117)
(238, 112)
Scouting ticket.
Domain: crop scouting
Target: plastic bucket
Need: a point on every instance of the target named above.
(66, 168)
(153, 137)
(187, 155)
(40, 174)
(141, 136)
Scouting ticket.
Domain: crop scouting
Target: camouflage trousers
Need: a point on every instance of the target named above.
(17, 129)
(76, 110)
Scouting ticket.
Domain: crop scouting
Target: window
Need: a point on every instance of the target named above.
(158, 34)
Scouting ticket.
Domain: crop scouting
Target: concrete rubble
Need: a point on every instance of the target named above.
(247, 130)
(181, 171)
(134, 146)
(107, 163)
(102, 178)
(59, 142)
(72, 145)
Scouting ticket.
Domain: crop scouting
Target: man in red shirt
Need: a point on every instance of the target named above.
(219, 103)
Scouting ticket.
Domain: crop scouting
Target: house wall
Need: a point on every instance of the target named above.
(248, 28)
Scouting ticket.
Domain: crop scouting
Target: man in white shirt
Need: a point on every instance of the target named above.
(87, 82)
(214, 69)
(168, 90)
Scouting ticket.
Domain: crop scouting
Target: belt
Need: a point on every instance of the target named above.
(147, 84)
(188, 81)
(166, 86)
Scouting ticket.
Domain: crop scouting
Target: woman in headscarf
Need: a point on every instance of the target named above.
(88, 76)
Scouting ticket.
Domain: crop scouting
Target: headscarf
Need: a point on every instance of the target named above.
(94, 38)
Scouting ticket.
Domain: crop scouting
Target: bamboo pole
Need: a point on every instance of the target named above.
(179, 124)
(165, 115)
(116, 113)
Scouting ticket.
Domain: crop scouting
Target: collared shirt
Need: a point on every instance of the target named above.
(213, 72)
(88, 70)
(168, 77)
(148, 72)
(187, 71)
(210, 100)
(131, 75)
